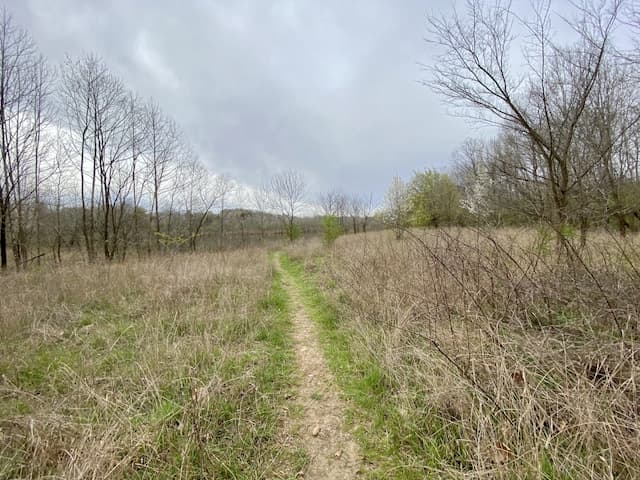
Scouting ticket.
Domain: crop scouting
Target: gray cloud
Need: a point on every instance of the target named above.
(328, 88)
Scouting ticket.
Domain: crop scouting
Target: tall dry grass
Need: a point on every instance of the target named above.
(171, 367)
(503, 359)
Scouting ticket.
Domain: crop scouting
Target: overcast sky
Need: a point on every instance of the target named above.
(329, 88)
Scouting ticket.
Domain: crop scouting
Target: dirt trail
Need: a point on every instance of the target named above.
(332, 450)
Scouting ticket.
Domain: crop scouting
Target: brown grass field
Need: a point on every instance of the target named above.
(460, 353)
(174, 367)
(494, 358)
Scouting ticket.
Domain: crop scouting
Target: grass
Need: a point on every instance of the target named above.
(463, 354)
(477, 355)
(168, 368)
(389, 443)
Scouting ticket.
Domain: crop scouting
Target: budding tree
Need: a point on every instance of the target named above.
(395, 213)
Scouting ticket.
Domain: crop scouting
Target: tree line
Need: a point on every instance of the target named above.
(86, 160)
(90, 165)
(566, 112)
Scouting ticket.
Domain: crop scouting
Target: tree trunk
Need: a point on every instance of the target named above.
(3, 236)
(58, 241)
(222, 224)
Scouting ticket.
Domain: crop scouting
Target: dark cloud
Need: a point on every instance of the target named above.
(328, 88)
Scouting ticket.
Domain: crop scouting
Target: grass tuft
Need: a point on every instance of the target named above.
(167, 368)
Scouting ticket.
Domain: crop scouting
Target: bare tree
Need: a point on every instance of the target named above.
(335, 203)
(288, 191)
(260, 200)
(139, 181)
(546, 105)
(98, 112)
(108, 178)
(24, 80)
(355, 208)
(366, 203)
(42, 116)
(58, 176)
(223, 186)
(163, 142)
(329, 203)
(611, 124)
(201, 192)
(79, 80)
(114, 167)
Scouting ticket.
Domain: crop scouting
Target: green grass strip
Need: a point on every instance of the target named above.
(380, 429)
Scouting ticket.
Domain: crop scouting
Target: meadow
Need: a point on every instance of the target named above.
(172, 367)
(459, 353)
(484, 354)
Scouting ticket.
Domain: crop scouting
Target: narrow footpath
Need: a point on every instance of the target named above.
(334, 455)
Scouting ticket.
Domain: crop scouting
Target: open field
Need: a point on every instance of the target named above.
(175, 367)
(468, 354)
(311, 240)
(456, 354)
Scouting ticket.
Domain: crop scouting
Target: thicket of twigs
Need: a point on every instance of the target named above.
(519, 361)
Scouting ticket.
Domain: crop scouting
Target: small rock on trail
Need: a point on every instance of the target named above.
(333, 453)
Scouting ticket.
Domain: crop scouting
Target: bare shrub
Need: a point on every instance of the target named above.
(521, 363)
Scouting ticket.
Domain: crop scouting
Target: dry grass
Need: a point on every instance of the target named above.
(499, 359)
(175, 367)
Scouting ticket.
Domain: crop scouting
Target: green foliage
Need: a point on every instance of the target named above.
(331, 229)
(434, 200)
(544, 240)
(168, 240)
(567, 231)
(293, 232)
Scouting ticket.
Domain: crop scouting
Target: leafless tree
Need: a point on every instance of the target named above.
(98, 112)
(42, 116)
(60, 188)
(79, 80)
(355, 208)
(24, 83)
(201, 193)
(260, 200)
(288, 191)
(335, 203)
(163, 143)
(116, 173)
(366, 210)
(607, 137)
(545, 106)
(114, 167)
(224, 186)
(139, 180)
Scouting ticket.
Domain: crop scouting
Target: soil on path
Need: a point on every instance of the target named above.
(333, 452)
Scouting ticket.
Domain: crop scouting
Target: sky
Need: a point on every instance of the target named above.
(331, 89)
